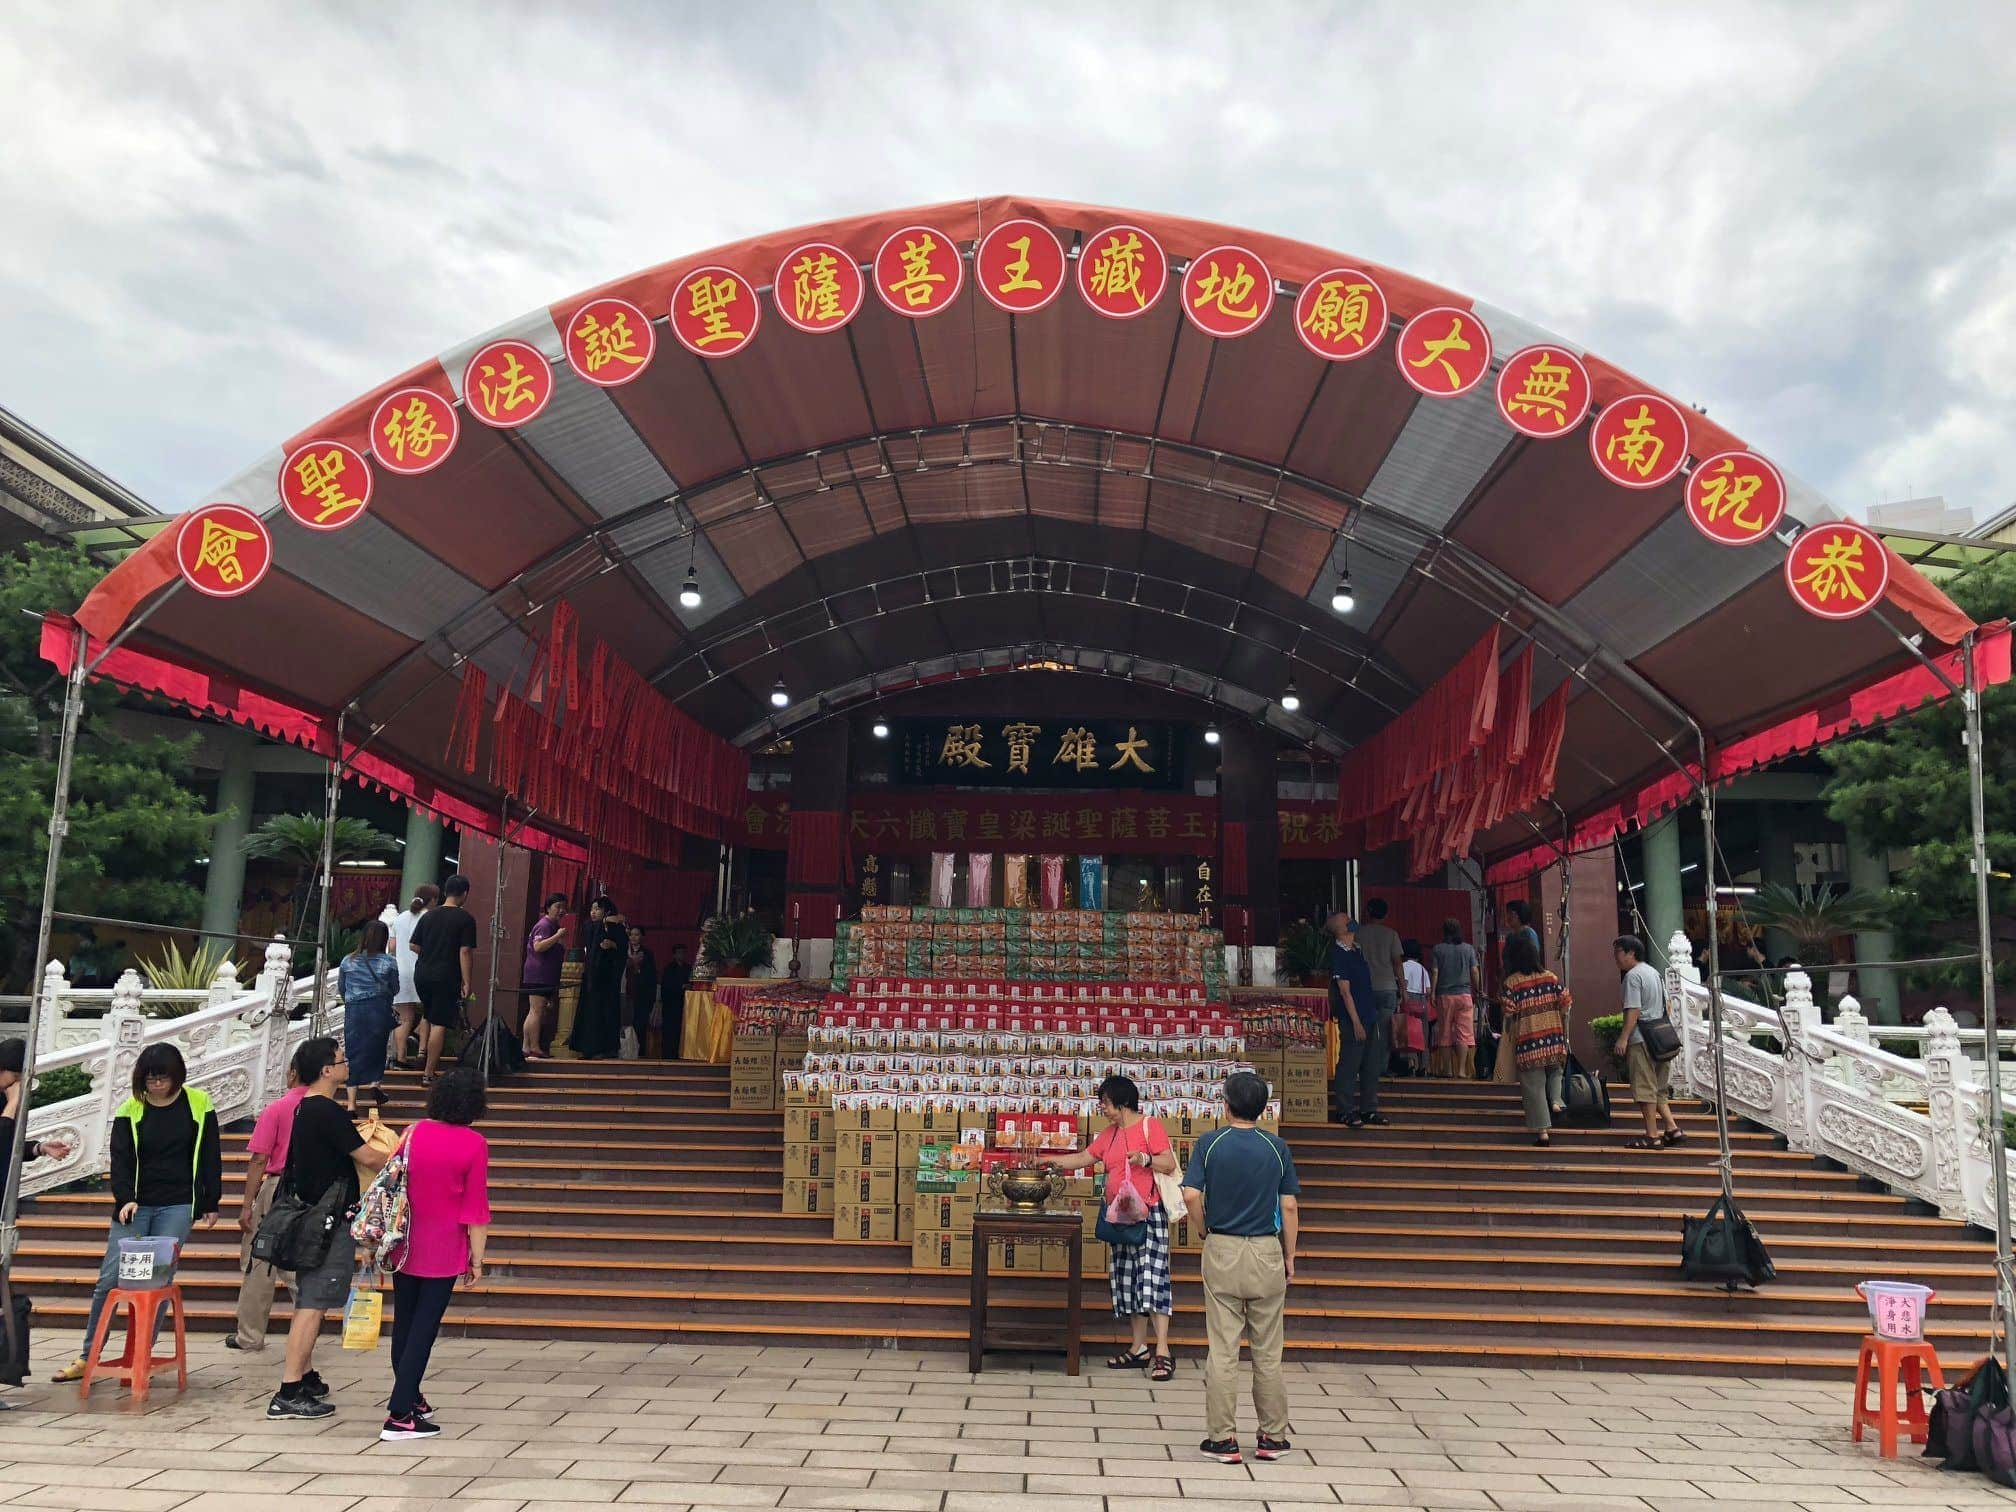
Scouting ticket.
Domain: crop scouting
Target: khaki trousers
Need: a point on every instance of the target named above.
(1245, 1290)
(255, 1292)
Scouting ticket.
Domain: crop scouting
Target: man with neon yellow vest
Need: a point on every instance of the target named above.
(167, 1170)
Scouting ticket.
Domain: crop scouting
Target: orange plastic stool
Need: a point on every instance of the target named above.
(133, 1367)
(1892, 1360)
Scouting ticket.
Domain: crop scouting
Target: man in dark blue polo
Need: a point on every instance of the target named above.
(1241, 1189)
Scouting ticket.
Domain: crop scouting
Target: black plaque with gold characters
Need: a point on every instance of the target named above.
(1037, 752)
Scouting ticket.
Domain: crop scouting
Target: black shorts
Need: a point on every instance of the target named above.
(441, 1003)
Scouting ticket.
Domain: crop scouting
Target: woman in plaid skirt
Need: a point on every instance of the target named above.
(1133, 1147)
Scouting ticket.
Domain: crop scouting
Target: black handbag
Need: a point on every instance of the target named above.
(1950, 1434)
(296, 1235)
(1662, 1040)
(1724, 1247)
(1586, 1098)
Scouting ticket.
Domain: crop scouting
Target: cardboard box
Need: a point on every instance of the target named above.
(868, 1149)
(865, 1186)
(908, 1142)
(803, 1196)
(752, 1094)
(805, 1124)
(792, 1050)
(860, 1120)
(934, 1250)
(906, 1222)
(971, 1119)
(809, 1162)
(950, 1212)
(864, 1220)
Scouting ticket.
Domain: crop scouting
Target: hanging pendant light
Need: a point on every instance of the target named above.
(1290, 699)
(779, 695)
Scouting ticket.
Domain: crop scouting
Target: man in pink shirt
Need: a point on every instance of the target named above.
(268, 1151)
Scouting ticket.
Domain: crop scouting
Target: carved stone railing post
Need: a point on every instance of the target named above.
(125, 1029)
(1845, 1069)
(1949, 1079)
(1800, 1068)
(1681, 974)
(224, 986)
(55, 992)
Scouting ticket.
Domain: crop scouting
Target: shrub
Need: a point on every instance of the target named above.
(60, 1085)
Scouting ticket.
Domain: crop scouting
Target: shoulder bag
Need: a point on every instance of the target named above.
(1123, 1235)
(1662, 1040)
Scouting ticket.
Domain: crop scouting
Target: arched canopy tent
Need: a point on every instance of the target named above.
(901, 447)
(897, 499)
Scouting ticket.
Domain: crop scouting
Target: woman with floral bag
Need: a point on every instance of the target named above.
(1133, 1148)
(437, 1240)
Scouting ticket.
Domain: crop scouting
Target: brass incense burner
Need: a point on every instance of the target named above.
(1024, 1189)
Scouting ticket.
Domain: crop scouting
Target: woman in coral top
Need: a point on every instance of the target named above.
(448, 1224)
(1133, 1147)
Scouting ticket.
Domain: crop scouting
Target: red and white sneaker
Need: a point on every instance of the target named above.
(1271, 1448)
(1225, 1451)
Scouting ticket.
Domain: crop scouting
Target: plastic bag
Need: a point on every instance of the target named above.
(1127, 1206)
(363, 1317)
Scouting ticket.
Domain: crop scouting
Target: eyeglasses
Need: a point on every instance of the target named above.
(167, 1076)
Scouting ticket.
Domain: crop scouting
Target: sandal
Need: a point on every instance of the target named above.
(1642, 1143)
(1677, 1137)
(1544, 1142)
(1163, 1369)
(1132, 1360)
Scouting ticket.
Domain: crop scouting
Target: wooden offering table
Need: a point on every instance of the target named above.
(1036, 1228)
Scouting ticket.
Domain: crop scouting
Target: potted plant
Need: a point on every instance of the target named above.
(1303, 954)
(733, 946)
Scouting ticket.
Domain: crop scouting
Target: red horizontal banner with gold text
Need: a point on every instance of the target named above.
(1144, 824)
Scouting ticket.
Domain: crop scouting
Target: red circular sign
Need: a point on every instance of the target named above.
(1735, 498)
(326, 485)
(1837, 571)
(507, 383)
(1543, 391)
(1227, 291)
(918, 272)
(1444, 352)
(1639, 440)
(1020, 266)
(818, 288)
(223, 550)
(1340, 314)
(413, 430)
(1122, 271)
(715, 311)
(610, 341)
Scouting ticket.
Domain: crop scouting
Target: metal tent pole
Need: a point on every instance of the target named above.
(334, 795)
(59, 826)
(1724, 1160)
(2005, 1274)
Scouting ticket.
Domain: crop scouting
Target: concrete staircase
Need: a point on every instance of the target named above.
(631, 1203)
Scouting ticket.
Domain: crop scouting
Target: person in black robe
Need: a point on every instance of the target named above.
(598, 1023)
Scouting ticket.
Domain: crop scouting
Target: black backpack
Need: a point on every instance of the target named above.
(1724, 1247)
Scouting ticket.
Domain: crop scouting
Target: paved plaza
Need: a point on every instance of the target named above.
(538, 1425)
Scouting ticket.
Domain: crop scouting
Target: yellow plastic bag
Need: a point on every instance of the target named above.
(363, 1317)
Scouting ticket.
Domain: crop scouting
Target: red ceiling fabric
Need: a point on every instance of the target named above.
(1442, 726)
(1234, 881)
(1865, 709)
(813, 853)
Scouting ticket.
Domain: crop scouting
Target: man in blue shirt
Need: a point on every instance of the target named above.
(1241, 1189)
(1364, 1030)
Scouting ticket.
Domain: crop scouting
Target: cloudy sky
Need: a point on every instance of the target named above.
(219, 222)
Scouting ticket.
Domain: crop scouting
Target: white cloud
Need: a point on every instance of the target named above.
(224, 220)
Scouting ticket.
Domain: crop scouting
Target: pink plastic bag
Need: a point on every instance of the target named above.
(1127, 1206)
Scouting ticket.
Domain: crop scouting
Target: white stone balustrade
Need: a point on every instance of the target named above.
(236, 1040)
(1919, 1126)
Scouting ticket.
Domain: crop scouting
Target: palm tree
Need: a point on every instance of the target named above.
(297, 838)
(1815, 916)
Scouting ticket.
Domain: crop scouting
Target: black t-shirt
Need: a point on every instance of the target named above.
(167, 1154)
(439, 940)
(319, 1151)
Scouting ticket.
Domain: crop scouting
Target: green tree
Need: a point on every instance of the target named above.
(297, 840)
(1905, 787)
(136, 826)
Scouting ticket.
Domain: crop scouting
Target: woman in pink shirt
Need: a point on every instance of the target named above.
(1132, 1147)
(448, 1224)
